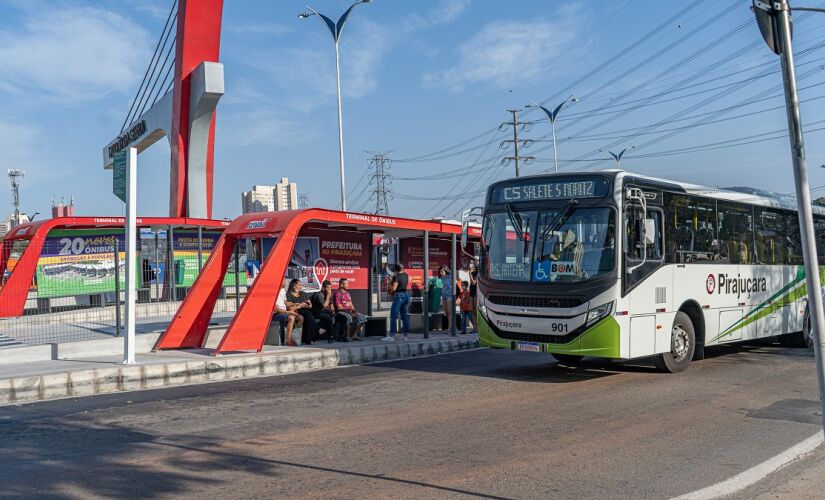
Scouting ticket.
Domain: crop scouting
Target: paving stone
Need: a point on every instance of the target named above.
(55, 385)
(82, 383)
(107, 380)
(26, 389)
(154, 376)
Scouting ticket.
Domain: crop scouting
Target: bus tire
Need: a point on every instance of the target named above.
(682, 346)
(568, 359)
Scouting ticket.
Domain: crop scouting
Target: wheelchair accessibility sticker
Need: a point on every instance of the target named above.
(544, 270)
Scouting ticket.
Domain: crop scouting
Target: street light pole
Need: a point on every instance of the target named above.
(778, 26)
(551, 115)
(618, 157)
(335, 28)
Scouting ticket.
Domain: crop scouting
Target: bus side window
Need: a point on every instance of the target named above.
(819, 230)
(735, 238)
(770, 233)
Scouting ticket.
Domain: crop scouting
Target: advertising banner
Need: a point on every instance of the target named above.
(78, 262)
(185, 248)
(321, 254)
(412, 257)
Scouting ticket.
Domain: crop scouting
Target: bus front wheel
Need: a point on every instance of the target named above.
(682, 346)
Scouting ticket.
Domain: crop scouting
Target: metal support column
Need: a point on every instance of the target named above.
(117, 288)
(200, 248)
(157, 285)
(237, 278)
(803, 195)
(452, 314)
(170, 267)
(425, 295)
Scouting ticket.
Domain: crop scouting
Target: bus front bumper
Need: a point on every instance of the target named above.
(600, 340)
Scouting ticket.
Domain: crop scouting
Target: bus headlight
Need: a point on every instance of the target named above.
(482, 306)
(598, 313)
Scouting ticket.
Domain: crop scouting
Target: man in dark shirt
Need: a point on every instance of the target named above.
(400, 303)
(324, 310)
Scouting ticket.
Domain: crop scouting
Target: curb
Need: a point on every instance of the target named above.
(112, 379)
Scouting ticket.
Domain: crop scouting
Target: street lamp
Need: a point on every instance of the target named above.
(335, 29)
(618, 157)
(551, 115)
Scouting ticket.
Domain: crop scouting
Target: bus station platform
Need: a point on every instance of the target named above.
(90, 375)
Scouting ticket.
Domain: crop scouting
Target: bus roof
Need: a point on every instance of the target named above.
(740, 194)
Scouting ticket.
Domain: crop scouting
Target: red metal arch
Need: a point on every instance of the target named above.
(198, 40)
(248, 328)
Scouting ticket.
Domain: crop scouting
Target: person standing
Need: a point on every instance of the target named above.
(400, 303)
(299, 302)
(447, 294)
(466, 306)
(474, 291)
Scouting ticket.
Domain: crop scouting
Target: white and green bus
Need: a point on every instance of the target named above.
(618, 265)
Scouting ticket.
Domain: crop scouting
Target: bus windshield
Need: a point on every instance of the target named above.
(577, 246)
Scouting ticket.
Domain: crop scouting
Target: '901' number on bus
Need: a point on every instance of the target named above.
(558, 327)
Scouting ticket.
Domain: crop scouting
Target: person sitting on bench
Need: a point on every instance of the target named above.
(297, 300)
(346, 313)
(287, 318)
(324, 310)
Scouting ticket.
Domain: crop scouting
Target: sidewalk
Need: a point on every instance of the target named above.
(76, 377)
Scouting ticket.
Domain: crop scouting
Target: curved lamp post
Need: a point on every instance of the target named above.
(551, 115)
(335, 29)
(618, 157)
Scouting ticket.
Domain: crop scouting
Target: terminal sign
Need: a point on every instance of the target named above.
(542, 190)
(119, 174)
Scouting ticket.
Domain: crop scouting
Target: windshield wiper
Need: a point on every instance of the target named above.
(516, 221)
(560, 219)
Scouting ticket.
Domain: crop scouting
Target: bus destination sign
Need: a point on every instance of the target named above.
(543, 190)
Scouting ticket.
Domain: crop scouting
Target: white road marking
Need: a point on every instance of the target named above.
(757, 472)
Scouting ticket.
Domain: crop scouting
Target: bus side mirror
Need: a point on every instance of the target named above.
(465, 226)
(650, 231)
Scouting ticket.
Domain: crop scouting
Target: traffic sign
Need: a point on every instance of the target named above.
(119, 174)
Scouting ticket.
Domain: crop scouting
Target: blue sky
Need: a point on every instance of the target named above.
(429, 80)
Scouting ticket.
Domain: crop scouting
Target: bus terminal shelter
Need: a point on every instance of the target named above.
(64, 259)
(311, 245)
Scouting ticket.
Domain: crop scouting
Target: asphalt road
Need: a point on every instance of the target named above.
(480, 423)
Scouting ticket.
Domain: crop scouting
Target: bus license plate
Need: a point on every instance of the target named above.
(529, 346)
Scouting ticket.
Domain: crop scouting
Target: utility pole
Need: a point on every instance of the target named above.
(515, 140)
(14, 177)
(774, 21)
(303, 201)
(380, 179)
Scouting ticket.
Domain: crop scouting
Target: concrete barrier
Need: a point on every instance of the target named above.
(110, 379)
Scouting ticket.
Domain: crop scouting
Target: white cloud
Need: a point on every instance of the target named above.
(74, 54)
(260, 30)
(21, 148)
(507, 53)
(307, 73)
(260, 127)
(444, 13)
